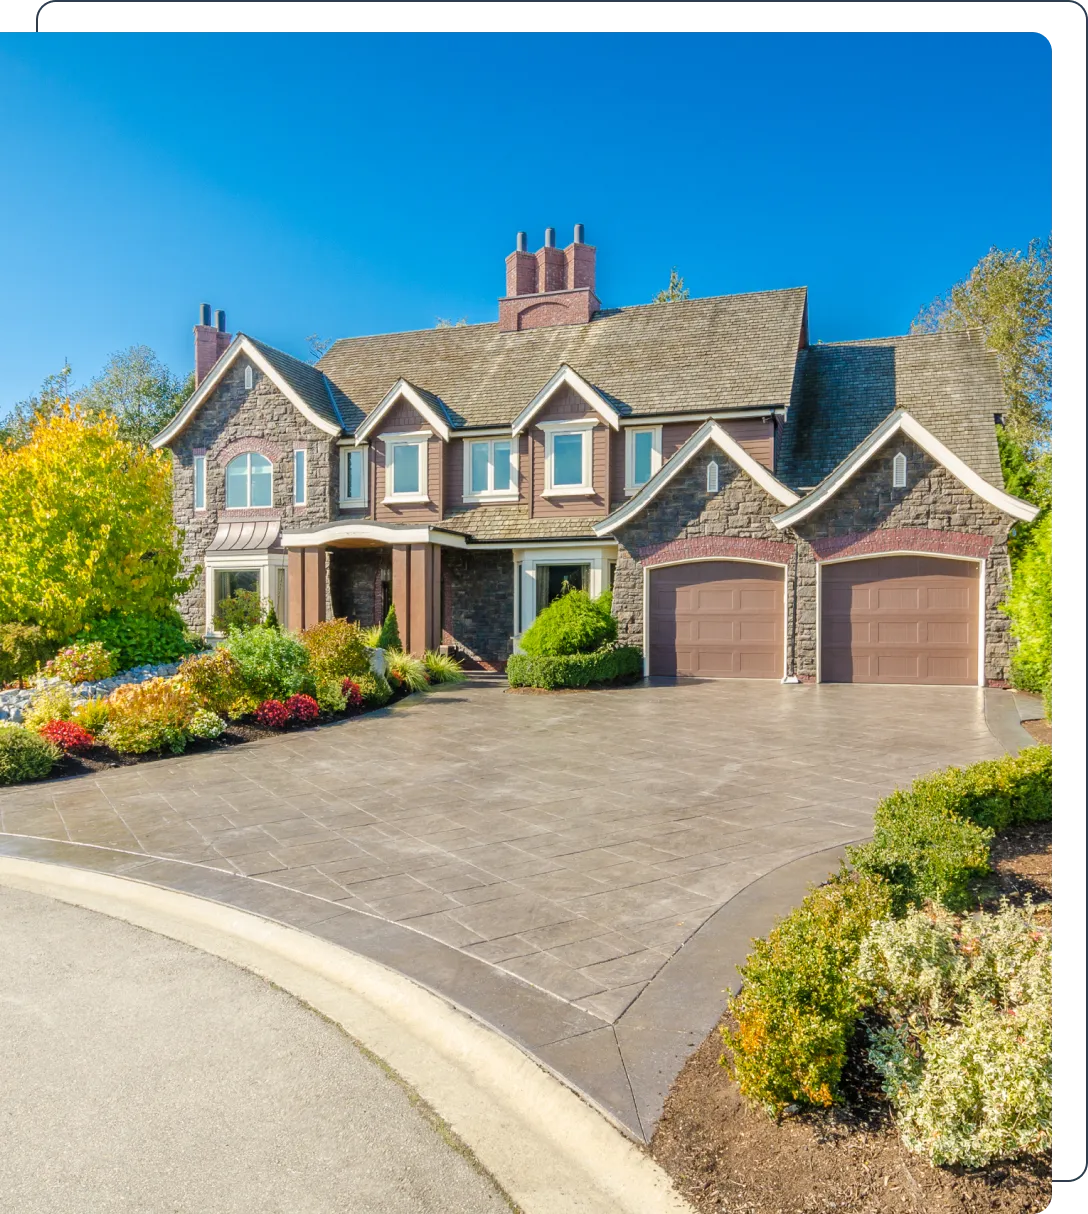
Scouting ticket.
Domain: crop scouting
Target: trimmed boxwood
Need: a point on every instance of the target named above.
(931, 839)
(574, 669)
(23, 755)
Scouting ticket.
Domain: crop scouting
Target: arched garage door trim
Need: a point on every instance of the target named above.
(876, 556)
(649, 568)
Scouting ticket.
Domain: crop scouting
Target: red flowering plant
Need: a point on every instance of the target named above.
(273, 714)
(302, 709)
(66, 735)
(353, 696)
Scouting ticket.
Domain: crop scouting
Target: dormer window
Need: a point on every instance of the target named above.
(712, 476)
(249, 377)
(568, 458)
(406, 467)
(899, 471)
(249, 481)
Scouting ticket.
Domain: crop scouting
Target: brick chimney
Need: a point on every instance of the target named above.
(551, 287)
(210, 340)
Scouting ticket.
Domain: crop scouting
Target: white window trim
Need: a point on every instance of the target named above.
(526, 560)
(411, 438)
(579, 426)
(363, 450)
(899, 471)
(490, 495)
(631, 486)
(264, 562)
(202, 462)
(713, 476)
(305, 476)
(249, 482)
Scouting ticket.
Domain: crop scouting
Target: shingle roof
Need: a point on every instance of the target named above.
(730, 351)
(484, 523)
(307, 380)
(949, 381)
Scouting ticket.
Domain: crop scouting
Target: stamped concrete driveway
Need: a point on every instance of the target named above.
(544, 861)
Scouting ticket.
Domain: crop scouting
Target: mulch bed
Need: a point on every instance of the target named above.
(1039, 730)
(726, 1156)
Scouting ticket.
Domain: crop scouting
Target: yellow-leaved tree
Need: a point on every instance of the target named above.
(86, 527)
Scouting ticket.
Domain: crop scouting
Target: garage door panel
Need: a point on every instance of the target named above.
(900, 620)
(717, 620)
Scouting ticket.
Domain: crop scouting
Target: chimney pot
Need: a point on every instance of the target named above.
(549, 238)
(205, 314)
(523, 242)
(221, 320)
(579, 233)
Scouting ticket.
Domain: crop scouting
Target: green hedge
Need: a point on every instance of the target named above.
(575, 669)
(1029, 608)
(930, 840)
(573, 623)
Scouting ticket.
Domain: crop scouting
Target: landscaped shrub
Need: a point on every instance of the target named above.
(389, 635)
(801, 996)
(24, 755)
(338, 650)
(23, 648)
(273, 714)
(271, 619)
(82, 662)
(404, 670)
(963, 1047)
(930, 840)
(154, 715)
(372, 635)
(352, 696)
(443, 668)
(331, 696)
(92, 715)
(1029, 608)
(374, 689)
(242, 610)
(274, 664)
(205, 724)
(48, 704)
(215, 679)
(66, 735)
(142, 638)
(303, 710)
(574, 670)
(572, 623)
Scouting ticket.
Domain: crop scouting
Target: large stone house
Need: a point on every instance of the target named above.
(761, 507)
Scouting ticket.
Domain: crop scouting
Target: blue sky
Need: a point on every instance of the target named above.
(351, 184)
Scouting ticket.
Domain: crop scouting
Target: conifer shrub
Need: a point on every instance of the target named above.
(389, 636)
(24, 755)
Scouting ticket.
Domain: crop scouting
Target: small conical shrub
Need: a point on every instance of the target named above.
(389, 637)
(271, 620)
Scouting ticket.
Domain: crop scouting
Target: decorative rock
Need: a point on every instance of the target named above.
(13, 703)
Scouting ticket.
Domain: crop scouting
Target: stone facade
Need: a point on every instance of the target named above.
(231, 421)
(934, 512)
(478, 605)
(356, 581)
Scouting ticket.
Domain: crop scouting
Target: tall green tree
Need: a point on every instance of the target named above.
(674, 291)
(49, 401)
(139, 391)
(1008, 296)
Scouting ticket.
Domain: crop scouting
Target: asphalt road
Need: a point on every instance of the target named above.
(140, 1075)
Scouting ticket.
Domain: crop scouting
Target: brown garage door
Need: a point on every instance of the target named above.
(717, 620)
(899, 619)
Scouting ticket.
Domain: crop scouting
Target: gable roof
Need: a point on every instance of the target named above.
(566, 377)
(426, 404)
(303, 385)
(902, 422)
(708, 432)
(729, 351)
(947, 381)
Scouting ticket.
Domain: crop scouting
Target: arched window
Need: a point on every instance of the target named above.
(249, 481)
(899, 471)
(712, 476)
(249, 377)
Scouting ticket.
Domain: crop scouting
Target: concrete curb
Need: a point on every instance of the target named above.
(1003, 720)
(544, 1146)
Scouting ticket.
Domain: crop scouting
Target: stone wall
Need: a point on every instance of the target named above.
(233, 420)
(355, 576)
(478, 605)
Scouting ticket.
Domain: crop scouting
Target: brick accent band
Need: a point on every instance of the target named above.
(902, 539)
(701, 547)
(239, 513)
(239, 446)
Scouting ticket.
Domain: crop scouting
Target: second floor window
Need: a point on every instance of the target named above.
(300, 478)
(489, 468)
(643, 455)
(568, 458)
(353, 476)
(249, 481)
(198, 482)
(406, 468)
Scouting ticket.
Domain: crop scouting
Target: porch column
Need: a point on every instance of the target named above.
(401, 577)
(417, 575)
(313, 586)
(295, 577)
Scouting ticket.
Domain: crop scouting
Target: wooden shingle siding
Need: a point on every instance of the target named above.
(455, 471)
(404, 417)
(566, 405)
